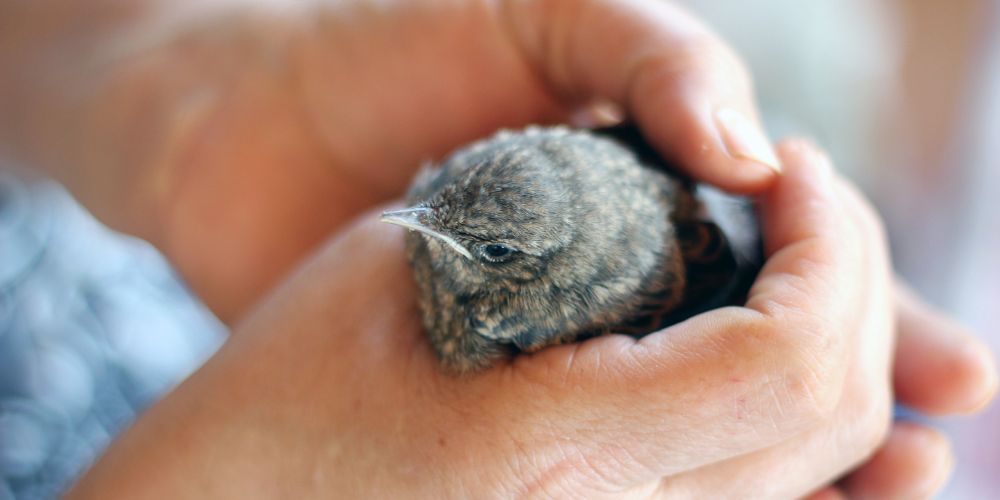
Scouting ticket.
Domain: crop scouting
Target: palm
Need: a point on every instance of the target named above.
(297, 150)
(444, 429)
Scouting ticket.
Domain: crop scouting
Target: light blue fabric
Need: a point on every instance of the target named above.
(93, 328)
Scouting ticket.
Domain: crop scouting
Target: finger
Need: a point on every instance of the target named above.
(914, 463)
(861, 421)
(729, 381)
(940, 367)
(685, 88)
(367, 255)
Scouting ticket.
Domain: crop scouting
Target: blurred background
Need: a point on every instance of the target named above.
(905, 94)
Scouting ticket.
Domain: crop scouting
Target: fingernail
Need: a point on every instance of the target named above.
(744, 139)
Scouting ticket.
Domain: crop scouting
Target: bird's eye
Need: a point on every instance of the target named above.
(496, 251)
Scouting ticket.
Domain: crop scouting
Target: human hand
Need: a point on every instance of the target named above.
(331, 387)
(247, 138)
(237, 145)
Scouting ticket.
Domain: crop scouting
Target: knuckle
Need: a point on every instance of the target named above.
(812, 367)
(814, 392)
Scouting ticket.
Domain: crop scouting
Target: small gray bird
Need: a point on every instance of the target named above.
(549, 235)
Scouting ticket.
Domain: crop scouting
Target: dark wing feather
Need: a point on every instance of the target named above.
(722, 255)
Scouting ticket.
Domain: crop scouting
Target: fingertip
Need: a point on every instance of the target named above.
(935, 462)
(975, 371)
(994, 386)
(941, 368)
(694, 140)
(745, 140)
(914, 462)
(698, 110)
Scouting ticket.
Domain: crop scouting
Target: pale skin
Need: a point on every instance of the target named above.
(241, 144)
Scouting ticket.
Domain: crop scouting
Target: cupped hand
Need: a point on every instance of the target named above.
(260, 135)
(275, 129)
(330, 387)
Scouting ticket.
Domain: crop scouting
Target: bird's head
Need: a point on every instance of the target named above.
(500, 220)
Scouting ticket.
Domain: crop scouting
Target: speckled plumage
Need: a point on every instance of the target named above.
(537, 237)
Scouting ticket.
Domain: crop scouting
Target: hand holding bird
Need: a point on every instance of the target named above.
(548, 235)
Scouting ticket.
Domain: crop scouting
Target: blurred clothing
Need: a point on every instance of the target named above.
(94, 327)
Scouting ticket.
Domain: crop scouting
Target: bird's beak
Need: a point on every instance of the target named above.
(417, 219)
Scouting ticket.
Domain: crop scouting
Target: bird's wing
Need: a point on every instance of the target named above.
(719, 237)
(711, 280)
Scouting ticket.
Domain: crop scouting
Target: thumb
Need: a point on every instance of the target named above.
(690, 94)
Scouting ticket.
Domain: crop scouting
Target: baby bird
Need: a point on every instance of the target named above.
(549, 235)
